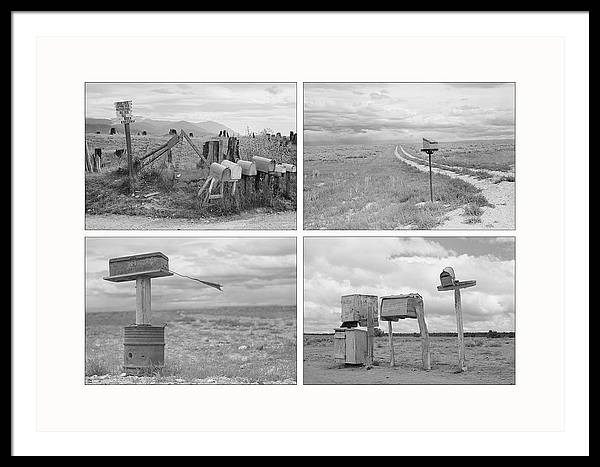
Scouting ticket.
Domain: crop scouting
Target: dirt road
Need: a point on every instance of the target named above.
(499, 193)
(255, 220)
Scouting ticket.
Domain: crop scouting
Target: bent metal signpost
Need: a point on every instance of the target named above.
(124, 110)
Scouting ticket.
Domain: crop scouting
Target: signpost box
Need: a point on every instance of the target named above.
(449, 282)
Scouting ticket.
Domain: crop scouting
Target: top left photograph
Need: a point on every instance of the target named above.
(197, 156)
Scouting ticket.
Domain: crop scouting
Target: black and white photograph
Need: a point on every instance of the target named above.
(420, 156)
(190, 156)
(410, 310)
(190, 311)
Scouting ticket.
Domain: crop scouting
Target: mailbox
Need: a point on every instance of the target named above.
(429, 145)
(395, 307)
(358, 307)
(263, 164)
(291, 168)
(447, 277)
(279, 170)
(128, 268)
(350, 346)
(236, 170)
(220, 172)
(248, 167)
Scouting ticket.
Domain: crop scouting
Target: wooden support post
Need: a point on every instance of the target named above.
(425, 352)
(129, 157)
(459, 326)
(391, 339)
(370, 337)
(143, 310)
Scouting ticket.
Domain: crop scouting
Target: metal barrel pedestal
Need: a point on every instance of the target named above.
(144, 349)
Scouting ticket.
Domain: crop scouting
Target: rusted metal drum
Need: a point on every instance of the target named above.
(144, 348)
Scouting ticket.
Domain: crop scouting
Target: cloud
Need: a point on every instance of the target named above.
(355, 112)
(236, 105)
(253, 271)
(387, 266)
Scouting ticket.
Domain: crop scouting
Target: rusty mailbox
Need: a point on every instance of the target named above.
(143, 343)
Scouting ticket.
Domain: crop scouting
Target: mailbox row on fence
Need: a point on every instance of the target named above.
(230, 171)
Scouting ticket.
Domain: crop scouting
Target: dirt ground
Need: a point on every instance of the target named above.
(250, 220)
(489, 361)
(501, 194)
(231, 345)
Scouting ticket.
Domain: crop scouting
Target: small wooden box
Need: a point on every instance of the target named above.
(350, 346)
(358, 307)
(395, 307)
(127, 268)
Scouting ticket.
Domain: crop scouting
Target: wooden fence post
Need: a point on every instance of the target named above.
(391, 339)
(459, 327)
(143, 310)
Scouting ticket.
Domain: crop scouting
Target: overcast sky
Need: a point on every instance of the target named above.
(236, 105)
(389, 266)
(346, 113)
(253, 271)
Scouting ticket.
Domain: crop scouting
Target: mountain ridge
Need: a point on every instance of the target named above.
(156, 127)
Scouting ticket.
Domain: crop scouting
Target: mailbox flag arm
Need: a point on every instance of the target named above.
(210, 284)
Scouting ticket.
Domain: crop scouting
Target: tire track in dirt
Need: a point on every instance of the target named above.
(501, 195)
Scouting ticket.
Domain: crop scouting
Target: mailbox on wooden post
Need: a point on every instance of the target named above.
(396, 307)
(448, 282)
(355, 346)
(143, 343)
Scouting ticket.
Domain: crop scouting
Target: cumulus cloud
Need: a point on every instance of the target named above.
(358, 112)
(236, 105)
(253, 271)
(387, 266)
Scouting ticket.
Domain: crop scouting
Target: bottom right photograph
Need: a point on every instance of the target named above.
(409, 310)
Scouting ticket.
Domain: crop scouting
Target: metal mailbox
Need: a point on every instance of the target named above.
(264, 164)
(220, 172)
(395, 307)
(248, 167)
(128, 268)
(447, 277)
(358, 307)
(236, 170)
(291, 168)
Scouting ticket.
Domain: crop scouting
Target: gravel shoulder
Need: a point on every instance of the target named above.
(255, 220)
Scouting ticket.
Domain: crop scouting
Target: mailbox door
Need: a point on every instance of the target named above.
(356, 347)
(339, 345)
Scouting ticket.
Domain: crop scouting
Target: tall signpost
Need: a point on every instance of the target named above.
(429, 147)
(124, 110)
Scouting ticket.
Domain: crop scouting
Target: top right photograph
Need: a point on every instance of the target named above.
(409, 156)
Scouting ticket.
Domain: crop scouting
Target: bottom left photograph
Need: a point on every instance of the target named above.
(183, 310)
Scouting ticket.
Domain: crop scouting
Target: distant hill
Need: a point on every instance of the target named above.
(155, 127)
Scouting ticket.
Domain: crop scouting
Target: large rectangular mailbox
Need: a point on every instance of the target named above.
(127, 268)
(395, 307)
(357, 307)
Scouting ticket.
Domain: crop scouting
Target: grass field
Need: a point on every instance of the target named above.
(366, 187)
(496, 155)
(489, 361)
(233, 345)
(108, 192)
